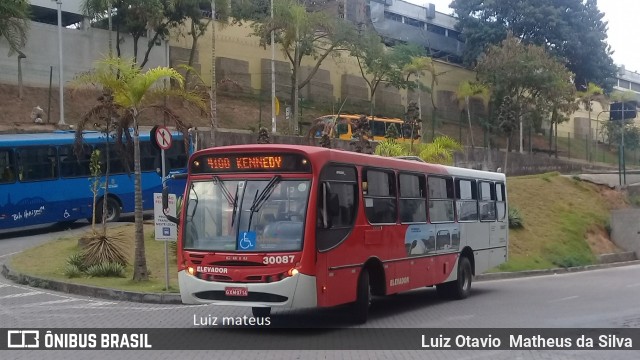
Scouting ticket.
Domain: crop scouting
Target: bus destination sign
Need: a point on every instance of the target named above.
(250, 163)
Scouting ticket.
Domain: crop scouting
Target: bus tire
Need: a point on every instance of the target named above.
(113, 210)
(261, 312)
(461, 287)
(363, 298)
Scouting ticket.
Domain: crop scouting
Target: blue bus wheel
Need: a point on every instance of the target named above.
(113, 210)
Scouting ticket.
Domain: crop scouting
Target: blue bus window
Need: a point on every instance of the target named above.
(8, 174)
(37, 163)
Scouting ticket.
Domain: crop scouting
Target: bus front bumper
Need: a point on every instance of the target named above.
(298, 291)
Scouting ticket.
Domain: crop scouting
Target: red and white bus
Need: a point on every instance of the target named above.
(290, 226)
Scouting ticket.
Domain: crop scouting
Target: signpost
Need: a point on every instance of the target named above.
(163, 140)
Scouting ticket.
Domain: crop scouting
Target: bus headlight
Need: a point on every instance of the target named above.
(191, 271)
(292, 272)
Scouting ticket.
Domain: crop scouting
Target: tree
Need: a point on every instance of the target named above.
(301, 34)
(417, 66)
(14, 27)
(572, 30)
(137, 17)
(14, 24)
(465, 90)
(134, 92)
(526, 75)
(263, 136)
(361, 131)
(440, 151)
(381, 64)
(412, 125)
(198, 26)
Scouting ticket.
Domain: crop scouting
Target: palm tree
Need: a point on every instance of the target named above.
(14, 27)
(14, 23)
(440, 151)
(592, 93)
(133, 93)
(465, 90)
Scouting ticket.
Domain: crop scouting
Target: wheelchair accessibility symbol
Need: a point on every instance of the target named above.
(247, 240)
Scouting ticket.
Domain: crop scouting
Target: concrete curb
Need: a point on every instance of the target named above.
(531, 273)
(156, 298)
(91, 291)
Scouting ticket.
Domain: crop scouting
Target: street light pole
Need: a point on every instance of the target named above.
(273, 74)
(60, 71)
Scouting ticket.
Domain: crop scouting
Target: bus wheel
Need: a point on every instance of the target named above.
(261, 312)
(113, 210)
(460, 288)
(363, 300)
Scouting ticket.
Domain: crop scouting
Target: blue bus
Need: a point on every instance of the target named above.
(42, 181)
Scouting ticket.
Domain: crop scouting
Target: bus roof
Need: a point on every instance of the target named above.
(58, 137)
(350, 157)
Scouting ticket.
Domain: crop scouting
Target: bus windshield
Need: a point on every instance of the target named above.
(246, 215)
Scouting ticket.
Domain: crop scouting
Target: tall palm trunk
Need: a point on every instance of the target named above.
(140, 260)
(466, 100)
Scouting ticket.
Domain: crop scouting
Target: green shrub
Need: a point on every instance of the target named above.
(104, 249)
(515, 219)
(106, 269)
(76, 260)
(570, 260)
(72, 271)
(635, 200)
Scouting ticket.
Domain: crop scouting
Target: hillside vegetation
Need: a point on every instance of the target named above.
(565, 222)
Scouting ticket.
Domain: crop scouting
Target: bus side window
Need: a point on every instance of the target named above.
(487, 201)
(380, 199)
(501, 205)
(441, 198)
(8, 167)
(37, 163)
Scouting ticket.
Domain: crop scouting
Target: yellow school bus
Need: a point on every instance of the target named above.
(342, 128)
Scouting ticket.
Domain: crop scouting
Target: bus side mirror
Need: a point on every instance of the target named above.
(165, 198)
(165, 206)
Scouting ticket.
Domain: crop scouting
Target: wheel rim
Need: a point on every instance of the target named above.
(466, 279)
(111, 212)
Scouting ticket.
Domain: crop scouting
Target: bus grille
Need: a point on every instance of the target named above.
(237, 263)
(253, 296)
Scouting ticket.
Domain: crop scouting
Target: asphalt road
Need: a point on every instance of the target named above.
(604, 298)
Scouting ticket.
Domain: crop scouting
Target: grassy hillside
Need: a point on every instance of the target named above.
(565, 221)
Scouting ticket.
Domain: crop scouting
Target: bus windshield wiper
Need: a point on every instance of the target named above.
(232, 200)
(224, 189)
(262, 197)
(235, 206)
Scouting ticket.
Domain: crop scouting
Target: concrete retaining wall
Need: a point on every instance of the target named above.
(80, 49)
(625, 229)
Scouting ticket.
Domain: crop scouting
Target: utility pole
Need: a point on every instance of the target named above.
(60, 65)
(273, 74)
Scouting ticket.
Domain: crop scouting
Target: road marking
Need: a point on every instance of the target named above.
(99, 303)
(563, 299)
(50, 302)
(633, 285)
(21, 295)
(9, 254)
(461, 317)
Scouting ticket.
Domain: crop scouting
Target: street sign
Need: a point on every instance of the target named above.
(163, 138)
(165, 230)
